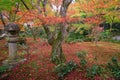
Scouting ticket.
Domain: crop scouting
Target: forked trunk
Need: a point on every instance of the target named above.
(57, 55)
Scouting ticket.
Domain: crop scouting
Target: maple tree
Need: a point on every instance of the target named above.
(112, 12)
(55, 23)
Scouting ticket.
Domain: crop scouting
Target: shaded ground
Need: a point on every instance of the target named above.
(39, 67)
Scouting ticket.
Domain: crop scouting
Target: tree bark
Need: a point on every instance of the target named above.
(111, 23)
(57, 55)
(25, 5)
(111, 26)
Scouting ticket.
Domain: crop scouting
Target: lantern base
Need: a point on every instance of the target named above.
(13, 63)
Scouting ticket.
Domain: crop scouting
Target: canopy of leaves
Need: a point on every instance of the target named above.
(7, 4)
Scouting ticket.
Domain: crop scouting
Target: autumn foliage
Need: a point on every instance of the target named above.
(39, 65)
(40, 19)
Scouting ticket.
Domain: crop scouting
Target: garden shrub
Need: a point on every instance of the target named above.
(82, 54)
(106, 35)
(34, 32)
(77, 37)
(114, 68)
(93, 71)
(3, 69)
(22, 38)
(63, 69)
(74, 37)
(82, 57)
(114, 41)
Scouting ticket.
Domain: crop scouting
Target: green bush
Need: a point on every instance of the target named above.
(114, 68)
(93, 71)
(82, 57)
(3, 69)
(106, 35)
(77, 37)
(81, 54)
(63, 69)
(114, 41)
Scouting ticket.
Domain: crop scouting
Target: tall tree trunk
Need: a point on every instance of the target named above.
(111, 27)
(57, 55)
(111, 23)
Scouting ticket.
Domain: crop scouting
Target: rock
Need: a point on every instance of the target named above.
(116, 38)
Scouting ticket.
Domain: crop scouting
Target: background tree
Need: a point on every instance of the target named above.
(112, 13)
(98, 12)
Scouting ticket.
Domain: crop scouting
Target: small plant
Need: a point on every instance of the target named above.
(63, 69)
(106, 35)
(74, 37)
(114, 68)
(3, 69)
(82, 56)
(93, 71)
(22, 37)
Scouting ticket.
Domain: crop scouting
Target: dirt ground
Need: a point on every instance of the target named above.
(39, 67)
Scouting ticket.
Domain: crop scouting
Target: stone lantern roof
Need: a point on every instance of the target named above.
(12, 27)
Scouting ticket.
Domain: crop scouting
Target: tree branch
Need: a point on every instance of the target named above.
(44, 2)
(38, 6)
(25, 4)
(49, 34)
(63, 11)
(16, 10)
(1, 17)
(64, 7)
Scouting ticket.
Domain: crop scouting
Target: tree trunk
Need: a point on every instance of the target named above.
(111, 23)
(57, 55)
(111, 27)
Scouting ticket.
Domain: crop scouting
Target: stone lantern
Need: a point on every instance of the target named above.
(12, 30)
